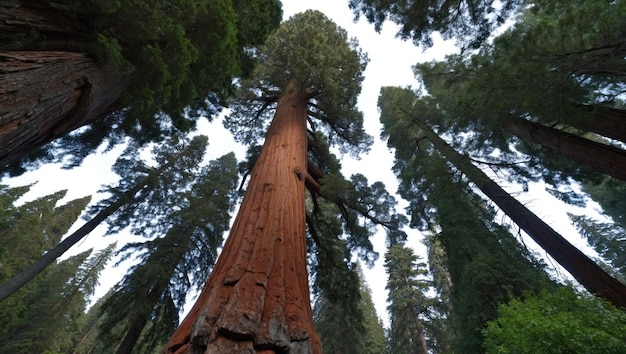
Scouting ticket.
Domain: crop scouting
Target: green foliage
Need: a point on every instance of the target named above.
(485, 262)
(470, 22)
(310, 54)
(154, 291)
(561, 65)
(54, 306)
(178, 161)
(409, 305)
(557, 322)
(608, 239)
(340, 331)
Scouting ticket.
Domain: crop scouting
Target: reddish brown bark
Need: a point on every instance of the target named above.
(604, 158)
(257, 297)
(47, 94)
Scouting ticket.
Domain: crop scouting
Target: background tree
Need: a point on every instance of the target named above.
(559, 106)
(157, 67)
(405, 117)
(257, 296)
(408, 304)
(470, 22)
(154, 291)
(536, 325)
(485, 262)
(45, 313)
(34, 227)
(343, 332)
(141, 187)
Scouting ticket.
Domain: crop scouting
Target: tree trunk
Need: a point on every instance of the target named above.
(47, 94)
(602, 157)
(605, 121)
(28, 274)
(257, 297)
(583, 269)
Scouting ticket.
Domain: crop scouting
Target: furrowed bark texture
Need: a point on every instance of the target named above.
(604, 158)
(583, 269)
(256, 300)
(47, 94)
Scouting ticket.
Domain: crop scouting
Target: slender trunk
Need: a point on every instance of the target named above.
(257, 297)
(28, 274)
(602, 157)
(132, 335)
(47, 94)
(583, 269)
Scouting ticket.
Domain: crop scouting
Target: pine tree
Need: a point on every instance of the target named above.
(343, 332)
(43, 314)
(469, 22)
(155, 290)
(408, 303)
(34, 227)
(140, 188)
(405, 118)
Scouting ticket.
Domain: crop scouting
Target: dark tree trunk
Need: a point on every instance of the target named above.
(583, 269)
(47, 94)
(602, 157)
(132, 336)
(28, 274)
(257, 297)
(605, 121)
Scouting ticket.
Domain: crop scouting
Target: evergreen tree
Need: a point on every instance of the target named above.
(341, 332)
(154, 291)
(257, 296)
(406, 118)
(470, 22)
(408, 303)
(34, 227)
(146, 67)
(45, 314)
(141, 188)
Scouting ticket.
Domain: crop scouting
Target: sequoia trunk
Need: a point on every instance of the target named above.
(604, 158)
(47, 94)
(583, 269)
(257, 297)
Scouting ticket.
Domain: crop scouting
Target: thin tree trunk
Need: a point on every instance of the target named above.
(28, 274)
(257, 297)
(602, 157)
(583, 269)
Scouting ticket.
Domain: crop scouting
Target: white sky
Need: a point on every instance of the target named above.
(390, 65)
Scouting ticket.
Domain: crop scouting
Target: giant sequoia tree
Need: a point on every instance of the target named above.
(257, 297)
(158, 65)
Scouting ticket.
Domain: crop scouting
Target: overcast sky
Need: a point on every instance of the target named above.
(390, 65)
